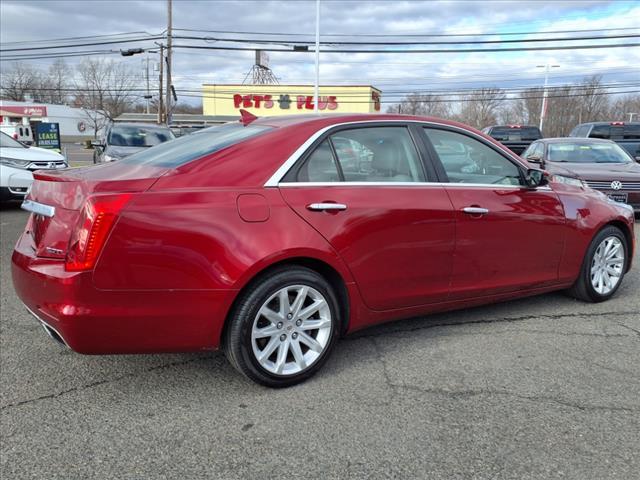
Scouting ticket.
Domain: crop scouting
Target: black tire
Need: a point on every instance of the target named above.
(582, 289)
(237, 339)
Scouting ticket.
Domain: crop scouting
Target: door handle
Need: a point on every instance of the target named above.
(321, 207)
(476, 210)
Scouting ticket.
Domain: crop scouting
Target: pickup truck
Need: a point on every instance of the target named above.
(627, 135)
(515, 137)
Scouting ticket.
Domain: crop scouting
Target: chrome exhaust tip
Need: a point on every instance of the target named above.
(51, 332)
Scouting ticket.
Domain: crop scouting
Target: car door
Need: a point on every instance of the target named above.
(509, 237)
(373, 203)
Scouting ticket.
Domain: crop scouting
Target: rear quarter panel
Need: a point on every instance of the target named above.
(197, 240)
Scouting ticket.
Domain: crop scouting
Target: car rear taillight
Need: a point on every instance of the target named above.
(97, 217)
(619, 124)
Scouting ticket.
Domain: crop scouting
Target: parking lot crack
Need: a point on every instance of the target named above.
(637, 332)
(98, 383)
(463, 394)
(500, 320)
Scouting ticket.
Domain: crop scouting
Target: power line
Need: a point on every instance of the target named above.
(404, 35)
(262, 41)
(459, 50)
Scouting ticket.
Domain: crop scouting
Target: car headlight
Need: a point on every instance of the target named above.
(576, 182)
(13, 162)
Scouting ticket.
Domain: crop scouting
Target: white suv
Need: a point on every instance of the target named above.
(17, 162)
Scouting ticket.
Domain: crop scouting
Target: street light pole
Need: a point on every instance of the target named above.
(316, 89)
(543, 108)
(631, 115)
(168, 91)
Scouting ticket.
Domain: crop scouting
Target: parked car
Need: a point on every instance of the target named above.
(253, 237)
(18, 131)
(18, 161)
(515, 137)
(627, 135)
(124, 139)
(601, 164)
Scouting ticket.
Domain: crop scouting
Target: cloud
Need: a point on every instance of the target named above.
(26, 20)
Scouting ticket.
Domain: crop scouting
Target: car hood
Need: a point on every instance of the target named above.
(33, 154)
(598, 171)
(122, 152)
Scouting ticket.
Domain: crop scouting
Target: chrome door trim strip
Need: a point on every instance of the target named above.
(275, 179)
(38, 208)
(409, 184)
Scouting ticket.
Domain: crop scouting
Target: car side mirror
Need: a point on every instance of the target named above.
(535, 178)
(534, 158)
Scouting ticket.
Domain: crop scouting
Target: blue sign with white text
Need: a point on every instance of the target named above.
(48, 136)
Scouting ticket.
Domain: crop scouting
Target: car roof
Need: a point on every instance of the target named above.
(612, 123)
(327, 119)
(138, 125)
(574, 140)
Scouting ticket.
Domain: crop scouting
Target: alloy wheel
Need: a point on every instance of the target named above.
(291, 330)
(607, 265)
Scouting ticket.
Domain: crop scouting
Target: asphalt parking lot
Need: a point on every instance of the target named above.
(540, 388)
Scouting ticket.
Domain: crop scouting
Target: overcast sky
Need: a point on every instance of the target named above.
(26, 20)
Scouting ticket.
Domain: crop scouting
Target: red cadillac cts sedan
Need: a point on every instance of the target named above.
(270, 238)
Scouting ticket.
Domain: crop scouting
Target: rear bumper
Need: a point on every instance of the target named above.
(93, 321)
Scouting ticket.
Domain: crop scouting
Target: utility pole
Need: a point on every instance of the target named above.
(168, 91)
(148, 90)
(543, 108)
(160, 87)
(317, 85)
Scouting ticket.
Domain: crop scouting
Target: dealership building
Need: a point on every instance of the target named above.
(271, 100)
(75, 123)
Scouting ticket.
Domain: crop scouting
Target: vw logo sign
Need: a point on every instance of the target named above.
(616, 185)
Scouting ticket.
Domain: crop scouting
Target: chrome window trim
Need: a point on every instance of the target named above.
(275, 179)
(38, 208)
(409, 184)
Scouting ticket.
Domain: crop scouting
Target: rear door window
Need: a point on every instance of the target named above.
(378, 154)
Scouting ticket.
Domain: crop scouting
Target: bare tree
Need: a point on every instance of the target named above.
(55, 85)
(625, 107)
(422, 104)
(104, 90)
(18, 81)
(480, 107)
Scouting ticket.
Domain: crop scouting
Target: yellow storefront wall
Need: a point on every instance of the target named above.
(270, 100)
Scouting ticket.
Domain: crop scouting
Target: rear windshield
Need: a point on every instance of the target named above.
(515, 134)
(616, 132)
(585, 153)
(190, 147)
(130, 136)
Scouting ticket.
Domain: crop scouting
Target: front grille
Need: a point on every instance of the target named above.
(626, 186)
(45, 165)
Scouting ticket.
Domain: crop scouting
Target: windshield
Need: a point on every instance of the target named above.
(133, 136)
(515, 133)
(7, 142)
(587, 153)
(190, 147)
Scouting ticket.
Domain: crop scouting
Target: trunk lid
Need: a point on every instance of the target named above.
(66, 190)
